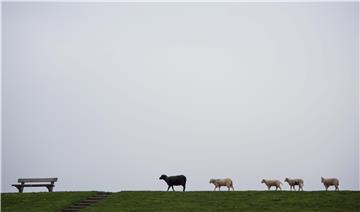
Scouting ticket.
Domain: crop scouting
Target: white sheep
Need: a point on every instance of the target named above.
(222, 182)
(293, 182)
(330, 182)
(270, 183)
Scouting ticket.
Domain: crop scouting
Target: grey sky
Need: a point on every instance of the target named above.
(109, 96)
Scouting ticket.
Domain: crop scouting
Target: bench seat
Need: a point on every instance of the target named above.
(33, 185)
(37, 182)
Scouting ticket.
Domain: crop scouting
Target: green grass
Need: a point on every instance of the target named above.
(40, 202)
(230, 201)
(189, 201)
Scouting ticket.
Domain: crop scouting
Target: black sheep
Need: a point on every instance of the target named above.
(174, 181)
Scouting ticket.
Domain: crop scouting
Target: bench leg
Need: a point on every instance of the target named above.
(20, 188)
(50, 188)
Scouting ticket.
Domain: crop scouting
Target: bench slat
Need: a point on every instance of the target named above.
(36, 180)
(33, 185)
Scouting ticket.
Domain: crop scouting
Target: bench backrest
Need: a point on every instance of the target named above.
(36, 180)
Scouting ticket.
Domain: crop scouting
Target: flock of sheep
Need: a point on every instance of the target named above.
(180, 180)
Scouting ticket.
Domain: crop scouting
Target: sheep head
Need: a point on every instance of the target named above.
(163, 177)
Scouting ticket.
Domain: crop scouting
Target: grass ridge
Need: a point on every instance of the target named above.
(189, 201)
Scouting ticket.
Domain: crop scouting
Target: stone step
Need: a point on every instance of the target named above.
(95, 198)
(82, 204)
(77, 207)
(102, 195)
(69, 210)
(103, 192)
(89, 201)
(99, 196)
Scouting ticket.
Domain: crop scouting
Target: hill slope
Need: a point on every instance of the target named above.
(230, 201)
(40, 201)
(189, 201)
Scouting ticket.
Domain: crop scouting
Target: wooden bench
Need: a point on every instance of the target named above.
(36, 182)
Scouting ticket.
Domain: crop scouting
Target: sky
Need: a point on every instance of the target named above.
(109, 96)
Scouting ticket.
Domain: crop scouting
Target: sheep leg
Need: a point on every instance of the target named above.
(268, 188)
(215, 188)
(168, 188)
(336, 188)
(183, 187)
(173, 188)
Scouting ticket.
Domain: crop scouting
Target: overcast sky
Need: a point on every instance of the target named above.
(109, 96)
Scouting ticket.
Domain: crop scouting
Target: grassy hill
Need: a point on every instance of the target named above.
(40, 202)
(190, 201)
